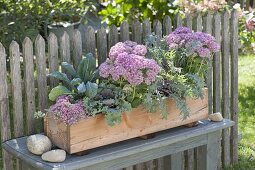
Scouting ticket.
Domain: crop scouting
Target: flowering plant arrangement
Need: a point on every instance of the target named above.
(134, 75)
(192, 48)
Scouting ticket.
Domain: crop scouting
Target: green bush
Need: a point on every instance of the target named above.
(116, 11)
(29, 17)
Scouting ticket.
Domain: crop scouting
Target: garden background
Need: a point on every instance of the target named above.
(19, 19)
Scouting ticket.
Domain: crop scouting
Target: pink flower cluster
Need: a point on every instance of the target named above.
(198, 42)
(190, 7)
(67, 112)
(250, 23)
(127, 60)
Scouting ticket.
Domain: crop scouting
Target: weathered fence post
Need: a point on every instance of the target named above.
(101, 45)
(124, 31)
(77, 48)
(53, 57)
(225, 86)
(234, 86)
(27, 48)
(41, 74)
(4, 109)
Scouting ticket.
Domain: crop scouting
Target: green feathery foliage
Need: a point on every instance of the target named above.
(178, 79)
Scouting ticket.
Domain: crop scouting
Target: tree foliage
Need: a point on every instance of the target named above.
(116, 11)
(29, 17)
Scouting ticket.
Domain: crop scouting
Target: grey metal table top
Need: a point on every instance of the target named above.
(17, 147)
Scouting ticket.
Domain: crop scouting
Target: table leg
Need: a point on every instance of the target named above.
(213, 150)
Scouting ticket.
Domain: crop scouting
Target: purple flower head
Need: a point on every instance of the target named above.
(130, 44)
(200, 43)
(173, 38)
(105, 69)
(203, 52)
(182, 30)
(116, 50)
(140, 50)
(69, 113)
(130, 64)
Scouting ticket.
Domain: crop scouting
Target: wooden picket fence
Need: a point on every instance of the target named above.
(24, 83)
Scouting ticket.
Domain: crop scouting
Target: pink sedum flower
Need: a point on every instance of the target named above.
(127, 60)
(69, 113)
(140, 50)
(202, 44)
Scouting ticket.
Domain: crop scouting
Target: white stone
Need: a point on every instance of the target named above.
(216, 117)
(38, 144)
(57, 155)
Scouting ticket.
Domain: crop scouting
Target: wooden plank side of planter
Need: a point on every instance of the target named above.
(134, 124)
(126, 131)
(57, 132)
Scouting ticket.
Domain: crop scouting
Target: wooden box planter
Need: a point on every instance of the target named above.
(94, 132)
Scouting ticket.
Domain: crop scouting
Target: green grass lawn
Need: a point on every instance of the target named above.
(246, 113)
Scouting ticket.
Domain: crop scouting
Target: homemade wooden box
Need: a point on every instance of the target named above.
(94, 132)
